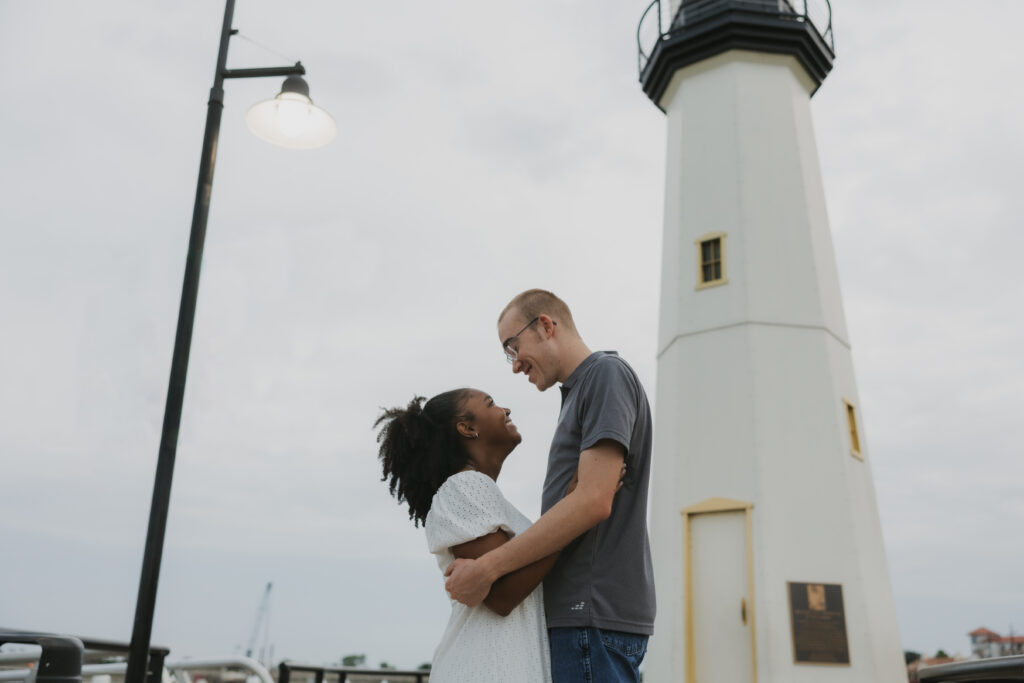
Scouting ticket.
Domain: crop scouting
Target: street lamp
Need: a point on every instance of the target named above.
(291, 119)
(305, 126)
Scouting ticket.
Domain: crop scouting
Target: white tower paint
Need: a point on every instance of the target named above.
(755, 480)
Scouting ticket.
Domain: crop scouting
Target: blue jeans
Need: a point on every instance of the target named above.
(593, 655)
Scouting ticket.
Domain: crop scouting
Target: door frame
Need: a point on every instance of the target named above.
(709, 507)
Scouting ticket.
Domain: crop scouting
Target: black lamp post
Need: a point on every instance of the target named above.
(294, 104)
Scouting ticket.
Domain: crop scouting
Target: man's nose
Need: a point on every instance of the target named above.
(517, 366)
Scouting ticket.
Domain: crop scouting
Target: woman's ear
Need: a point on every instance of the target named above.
(465, 430)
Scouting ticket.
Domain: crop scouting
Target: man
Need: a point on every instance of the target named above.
(599, 598)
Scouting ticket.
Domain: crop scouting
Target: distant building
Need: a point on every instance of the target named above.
(986, 643)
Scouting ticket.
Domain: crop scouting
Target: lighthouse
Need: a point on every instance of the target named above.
(768, 552)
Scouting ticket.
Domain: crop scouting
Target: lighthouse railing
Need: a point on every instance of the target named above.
(648, 23)
(662, 18)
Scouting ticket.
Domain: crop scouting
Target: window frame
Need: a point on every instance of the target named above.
(853, 429)
(700, 241)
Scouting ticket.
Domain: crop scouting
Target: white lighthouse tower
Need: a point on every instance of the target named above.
(768, 552)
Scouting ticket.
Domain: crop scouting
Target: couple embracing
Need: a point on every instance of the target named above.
(569, 598)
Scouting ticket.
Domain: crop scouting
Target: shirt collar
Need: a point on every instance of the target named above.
(582, 369)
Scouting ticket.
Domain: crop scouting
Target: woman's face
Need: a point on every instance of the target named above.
(491, 421)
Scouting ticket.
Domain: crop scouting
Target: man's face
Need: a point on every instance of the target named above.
(535, 352)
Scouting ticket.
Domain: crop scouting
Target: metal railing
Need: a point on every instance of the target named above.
(93, 651)
(181, 669)
(664, 17)
(996, 670)
(178, 671)
(349, 675)
(31, 666)
(59, 658)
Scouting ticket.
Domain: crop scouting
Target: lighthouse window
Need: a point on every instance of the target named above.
(851, 419)
(711, 262)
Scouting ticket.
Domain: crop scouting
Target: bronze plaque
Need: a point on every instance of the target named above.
(819, 623)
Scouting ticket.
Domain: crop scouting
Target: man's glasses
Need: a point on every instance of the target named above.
(511, 352)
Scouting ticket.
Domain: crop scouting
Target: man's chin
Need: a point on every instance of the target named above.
(539, 382)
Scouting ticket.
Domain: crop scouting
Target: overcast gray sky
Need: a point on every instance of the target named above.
(482, 149)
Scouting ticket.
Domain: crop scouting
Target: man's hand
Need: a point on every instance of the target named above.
(467, 582)
(599, 477)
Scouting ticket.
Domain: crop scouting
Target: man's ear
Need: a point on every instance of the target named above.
(546, 325)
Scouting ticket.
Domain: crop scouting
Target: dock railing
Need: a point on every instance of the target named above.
(319, 674)
(95, 654)
(59, 659)
(50, 665)
(995, 670)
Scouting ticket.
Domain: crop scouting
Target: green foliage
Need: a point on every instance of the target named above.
(941, 653)
(353, 660)
(909, 656)
(425, 666)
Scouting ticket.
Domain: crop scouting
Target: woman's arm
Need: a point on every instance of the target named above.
(511, 589)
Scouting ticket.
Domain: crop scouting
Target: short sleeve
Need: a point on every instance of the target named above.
(467, 506)
(609, 407)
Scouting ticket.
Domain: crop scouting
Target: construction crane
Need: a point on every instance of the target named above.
(262, 620)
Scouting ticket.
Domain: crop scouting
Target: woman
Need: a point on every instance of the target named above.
(442, 459)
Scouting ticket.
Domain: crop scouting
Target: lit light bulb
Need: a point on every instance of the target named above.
(291, 119)
(293, 113)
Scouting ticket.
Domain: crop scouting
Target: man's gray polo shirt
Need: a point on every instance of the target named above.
(603, 578)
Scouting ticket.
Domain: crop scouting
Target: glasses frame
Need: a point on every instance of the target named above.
(512, 354)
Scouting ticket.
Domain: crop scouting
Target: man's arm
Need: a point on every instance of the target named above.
(599, 472)
(511, 589)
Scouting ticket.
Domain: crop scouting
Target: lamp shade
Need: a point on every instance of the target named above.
(291, 119)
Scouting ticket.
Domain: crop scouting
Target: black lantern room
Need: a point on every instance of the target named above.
(676, 33)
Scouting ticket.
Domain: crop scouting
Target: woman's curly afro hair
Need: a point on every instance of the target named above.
(419, 448)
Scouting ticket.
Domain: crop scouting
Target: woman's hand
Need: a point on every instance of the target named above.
(572, 482)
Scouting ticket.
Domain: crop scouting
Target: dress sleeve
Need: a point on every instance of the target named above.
(467, 506)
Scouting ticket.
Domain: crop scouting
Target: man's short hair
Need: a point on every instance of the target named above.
(535, 302)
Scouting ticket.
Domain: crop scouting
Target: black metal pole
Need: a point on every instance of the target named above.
(144, 606)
